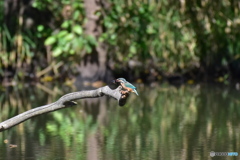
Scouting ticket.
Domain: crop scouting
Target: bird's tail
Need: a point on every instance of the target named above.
(135, 91)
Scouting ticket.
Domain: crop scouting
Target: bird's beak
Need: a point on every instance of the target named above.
(115, 81)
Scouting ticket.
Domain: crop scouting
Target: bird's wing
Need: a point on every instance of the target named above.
(129, 85)
(136, 92)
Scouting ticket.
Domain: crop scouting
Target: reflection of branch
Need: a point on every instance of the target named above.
(65, 101)
(53, 67)
(45, 89)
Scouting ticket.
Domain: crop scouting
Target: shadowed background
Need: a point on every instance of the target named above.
(143, 40)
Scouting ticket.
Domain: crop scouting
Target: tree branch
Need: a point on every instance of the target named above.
(65, 101)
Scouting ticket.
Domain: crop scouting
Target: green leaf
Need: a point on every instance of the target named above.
(98, 13)
(119, 9)
(78, 29)
(78, 43)
(76, 15)
(65, 24)
(50, 40)
(62, 33)
(34, 4)
(57, 52)
(88, 48)
(141, 10)
(101, 39)
(92, 40)
(113, 36)
(66, 47)
(72, 52)
(69, 37)
(40, 28)
(133, 49)
(150, 30)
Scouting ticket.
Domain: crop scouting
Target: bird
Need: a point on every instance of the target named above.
(126, 85)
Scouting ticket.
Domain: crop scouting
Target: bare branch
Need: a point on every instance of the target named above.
(65, 101)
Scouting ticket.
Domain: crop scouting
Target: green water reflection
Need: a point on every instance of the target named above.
(163, 123)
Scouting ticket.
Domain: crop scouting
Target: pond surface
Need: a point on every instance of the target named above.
(164, 122)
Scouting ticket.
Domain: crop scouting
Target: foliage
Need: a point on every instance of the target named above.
(28, 46)
(151, 30)
(176, 35)
(172, 36)
(70, 39)
(215, 25)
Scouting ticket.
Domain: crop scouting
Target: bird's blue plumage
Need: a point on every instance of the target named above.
(135, 91)
(127, 84)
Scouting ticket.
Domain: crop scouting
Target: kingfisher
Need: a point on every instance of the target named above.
(126, 85)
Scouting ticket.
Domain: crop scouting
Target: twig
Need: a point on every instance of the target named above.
(65, 101)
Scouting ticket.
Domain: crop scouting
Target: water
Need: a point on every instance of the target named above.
(164, 122)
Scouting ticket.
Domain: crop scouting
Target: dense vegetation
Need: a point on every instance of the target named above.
(142, 38)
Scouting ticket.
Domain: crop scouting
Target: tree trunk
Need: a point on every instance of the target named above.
(94, 66)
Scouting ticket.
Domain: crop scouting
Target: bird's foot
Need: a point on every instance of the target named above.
(124, 94)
